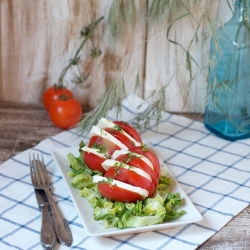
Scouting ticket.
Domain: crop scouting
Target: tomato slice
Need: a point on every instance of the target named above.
(137, 150)
(131, 177)
(137, 162)
(151, 156)
(130, 130)
(94, 160)
(103, 144)
(116, 193)
(105, 123)
(121, 137)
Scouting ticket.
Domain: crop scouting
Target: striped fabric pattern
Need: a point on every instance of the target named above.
(213, 172)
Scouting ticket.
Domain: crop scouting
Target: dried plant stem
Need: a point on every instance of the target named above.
(112, 97)
(76, 59)
(157, 10)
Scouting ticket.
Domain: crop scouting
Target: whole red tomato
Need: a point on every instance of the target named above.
(65, 114)
(53, 93)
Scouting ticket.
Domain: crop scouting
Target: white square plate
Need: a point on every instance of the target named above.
(96, 228)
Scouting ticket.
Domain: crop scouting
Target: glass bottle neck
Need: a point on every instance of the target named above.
(238, 3)
(242, 11)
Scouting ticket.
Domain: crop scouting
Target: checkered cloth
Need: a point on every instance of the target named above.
(214, 173)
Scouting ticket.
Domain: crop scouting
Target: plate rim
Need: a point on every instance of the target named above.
(117, 231)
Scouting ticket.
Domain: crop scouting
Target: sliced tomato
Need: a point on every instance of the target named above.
(105, 123)
(116, 193)
(130, 130)
(151, 156)
(137, 150)
(104, 144)
(94, 161)
(121, 137)
(139, 163)
(131, 177)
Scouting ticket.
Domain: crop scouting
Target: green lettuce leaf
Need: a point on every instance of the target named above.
(161, 207)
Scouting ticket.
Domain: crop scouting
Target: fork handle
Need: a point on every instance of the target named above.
(47, 236)
(60, 225)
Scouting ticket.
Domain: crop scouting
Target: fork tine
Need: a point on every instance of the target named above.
(31, 171)
(37, 170)
(45, 172)
(41, 171)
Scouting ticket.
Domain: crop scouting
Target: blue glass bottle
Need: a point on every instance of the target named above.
(227, 112)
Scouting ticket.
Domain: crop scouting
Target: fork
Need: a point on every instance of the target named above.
(40, 180)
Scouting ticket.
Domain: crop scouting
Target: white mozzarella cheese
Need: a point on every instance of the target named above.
(109, 163)
(105, 123)
(138, 190)
(94, 151)
(104, 134)
(123, 152)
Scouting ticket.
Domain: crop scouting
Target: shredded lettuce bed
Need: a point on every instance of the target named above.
(161, 207)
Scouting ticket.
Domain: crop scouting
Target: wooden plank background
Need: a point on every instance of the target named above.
(39, 37)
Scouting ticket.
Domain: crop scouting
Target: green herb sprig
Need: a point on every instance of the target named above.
(112, 97)
(86, 33)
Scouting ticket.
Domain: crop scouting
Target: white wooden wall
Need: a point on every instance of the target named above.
(39, 37)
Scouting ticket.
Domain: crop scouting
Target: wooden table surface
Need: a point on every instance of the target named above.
(22, 126)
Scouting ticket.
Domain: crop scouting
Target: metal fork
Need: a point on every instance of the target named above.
(40, 180)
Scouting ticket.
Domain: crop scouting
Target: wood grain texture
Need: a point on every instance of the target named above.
(22, 126)
(39, 37)
(235, 235)
(166, 63)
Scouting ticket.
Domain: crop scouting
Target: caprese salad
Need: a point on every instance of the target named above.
(122, 179)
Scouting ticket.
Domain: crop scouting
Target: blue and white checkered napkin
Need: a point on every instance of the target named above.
(214, 173)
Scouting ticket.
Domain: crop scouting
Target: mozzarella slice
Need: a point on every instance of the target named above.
(105, 123)
(110, 163)
(124, 152)
(94, 151)
(118, 153)
(138, 190)
(104, 134)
